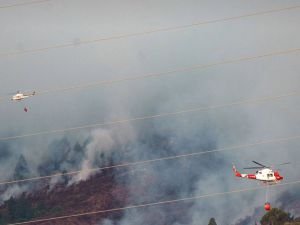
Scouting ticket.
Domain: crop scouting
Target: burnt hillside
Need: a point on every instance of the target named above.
(98, 193)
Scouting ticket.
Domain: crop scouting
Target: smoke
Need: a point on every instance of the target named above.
(13, 191)
(158, 137)
(103, 150)
(150, 139)
(289, 200)
(106, 222)
(101, 144)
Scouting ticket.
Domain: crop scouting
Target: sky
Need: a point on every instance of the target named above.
(64, 21)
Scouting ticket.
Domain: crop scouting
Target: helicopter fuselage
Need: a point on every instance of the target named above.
(19, 97)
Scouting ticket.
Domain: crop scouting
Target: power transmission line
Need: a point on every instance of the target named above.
(143, 33)
(174, 201)
(167, 114)
(183, 69)
(23, 4)
(127, 164)
(166, 73)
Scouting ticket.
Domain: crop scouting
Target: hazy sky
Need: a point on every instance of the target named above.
(71, 21)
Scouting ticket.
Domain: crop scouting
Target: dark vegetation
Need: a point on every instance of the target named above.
(21, 209)
(27, 207)
(212, 221)
(274, 217)
(279, 217)
(98, 193)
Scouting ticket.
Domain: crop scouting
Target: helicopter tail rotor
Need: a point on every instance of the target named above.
(236, 172)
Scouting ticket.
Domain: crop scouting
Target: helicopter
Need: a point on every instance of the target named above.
(264, 174)
(21, 96)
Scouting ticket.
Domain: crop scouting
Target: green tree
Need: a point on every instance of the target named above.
(212, 221)
(21, 170)
(276, 217)
(19, 210)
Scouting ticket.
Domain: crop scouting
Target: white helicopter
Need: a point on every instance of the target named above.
(21, 96)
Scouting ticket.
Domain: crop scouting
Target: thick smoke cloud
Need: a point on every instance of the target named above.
(149, 139)
(103, 149)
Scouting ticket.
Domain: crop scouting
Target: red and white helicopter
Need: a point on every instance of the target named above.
(21, 96)
(264, 174)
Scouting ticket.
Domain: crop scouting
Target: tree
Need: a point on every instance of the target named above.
(276, 217)
(212, 221)
(19, 209)
(21, 170)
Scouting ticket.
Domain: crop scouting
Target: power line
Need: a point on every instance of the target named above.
(174, 201)
(166, 29)
(183, 69)
(23, 4)
(167, 73)
(127, 164)
(167, 114)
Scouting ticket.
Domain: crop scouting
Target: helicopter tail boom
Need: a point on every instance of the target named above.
(238, 174)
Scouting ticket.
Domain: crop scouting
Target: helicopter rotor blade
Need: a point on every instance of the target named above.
(260, 164)
(286, 163)
(253, 167)
(282, 164)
